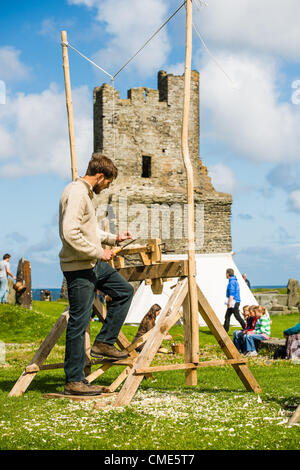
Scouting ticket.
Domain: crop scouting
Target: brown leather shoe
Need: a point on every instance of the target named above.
(100, 349)
(82, 388)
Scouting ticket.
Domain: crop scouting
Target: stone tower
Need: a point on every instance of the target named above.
(142, 135)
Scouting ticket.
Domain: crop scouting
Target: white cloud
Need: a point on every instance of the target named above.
(35, 130)
(11, 67)
(250, 119)
(128, 27)
(294, 201)
(271, 26)
(222, 178)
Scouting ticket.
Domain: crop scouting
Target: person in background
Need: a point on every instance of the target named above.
(244, 276)
(261, 331)
(292, 336)
(233, 300)
(250, 319)
(4, 273)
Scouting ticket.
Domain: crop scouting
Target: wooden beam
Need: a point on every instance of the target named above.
(225, 342)
(169, 367)
(154, 341)
(69, 104)
(193, 299)
(41, 355)
(168, 269)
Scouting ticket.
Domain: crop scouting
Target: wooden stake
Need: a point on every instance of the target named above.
(69, 104)
(193, 298)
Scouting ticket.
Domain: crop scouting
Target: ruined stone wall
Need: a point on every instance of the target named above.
(148, 124)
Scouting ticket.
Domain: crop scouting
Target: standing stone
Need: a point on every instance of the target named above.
(24, 276)
(11, 296)
(293, 293)
(64, 290)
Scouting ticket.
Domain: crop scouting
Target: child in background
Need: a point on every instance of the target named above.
(261, 331)
(250, 319)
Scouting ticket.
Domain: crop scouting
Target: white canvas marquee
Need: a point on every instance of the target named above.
(211, 279)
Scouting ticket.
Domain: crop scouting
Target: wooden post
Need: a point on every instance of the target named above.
(69, 104)
(193, 298)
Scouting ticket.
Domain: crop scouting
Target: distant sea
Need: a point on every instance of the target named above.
(56, 292)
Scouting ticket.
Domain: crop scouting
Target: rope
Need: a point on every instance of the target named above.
(134, 55)
(199, 5)
(86, 58)
(150, 39)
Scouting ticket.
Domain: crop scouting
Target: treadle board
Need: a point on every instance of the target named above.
(116, 362)
(78, 397)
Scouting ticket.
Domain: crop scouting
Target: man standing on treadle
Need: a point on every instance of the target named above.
(84, 264)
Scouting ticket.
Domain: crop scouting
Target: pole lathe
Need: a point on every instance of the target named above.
(69, 103)
(192, 330)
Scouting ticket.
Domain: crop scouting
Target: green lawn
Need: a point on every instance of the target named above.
(165, 414)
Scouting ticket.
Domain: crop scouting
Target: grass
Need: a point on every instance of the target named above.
(217, 414)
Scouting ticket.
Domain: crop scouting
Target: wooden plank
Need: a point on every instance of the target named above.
(41, 355)
(168, 269)
(185, 366)
(145, 358)
(225, 343)
(79, 397)
(120, 379)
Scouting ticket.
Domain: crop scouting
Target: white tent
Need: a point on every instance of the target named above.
(211, 279)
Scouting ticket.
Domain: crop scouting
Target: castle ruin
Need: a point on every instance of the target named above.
(142, 135)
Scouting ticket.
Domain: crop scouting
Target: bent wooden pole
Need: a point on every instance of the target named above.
(69, 103)
(191, 325)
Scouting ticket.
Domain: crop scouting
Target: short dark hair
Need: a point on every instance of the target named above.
(6, 256)
(101, 164)
(230, 272)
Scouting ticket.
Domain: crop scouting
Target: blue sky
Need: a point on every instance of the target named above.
(249, 114)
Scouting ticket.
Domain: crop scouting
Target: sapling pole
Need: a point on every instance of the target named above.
(192, 325)
(69, 104)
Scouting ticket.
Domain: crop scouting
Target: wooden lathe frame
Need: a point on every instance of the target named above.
(138, 366)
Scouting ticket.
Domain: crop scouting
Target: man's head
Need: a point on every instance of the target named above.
(6, 257)
(101, 172)
(229, 272)
(244, 276)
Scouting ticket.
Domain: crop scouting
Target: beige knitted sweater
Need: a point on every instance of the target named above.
(78, 228)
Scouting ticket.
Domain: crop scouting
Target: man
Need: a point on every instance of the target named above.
(84, 264)
(4, 273)
(233, 300)
(244, 276)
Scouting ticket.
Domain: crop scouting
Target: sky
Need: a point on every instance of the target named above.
(248, 56)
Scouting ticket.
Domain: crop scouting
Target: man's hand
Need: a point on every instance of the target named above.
(123, 236)
(107, 254)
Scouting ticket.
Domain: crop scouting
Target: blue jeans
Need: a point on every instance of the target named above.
(250, 341)
(238, 340)
(3, 290)
(81, 293)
